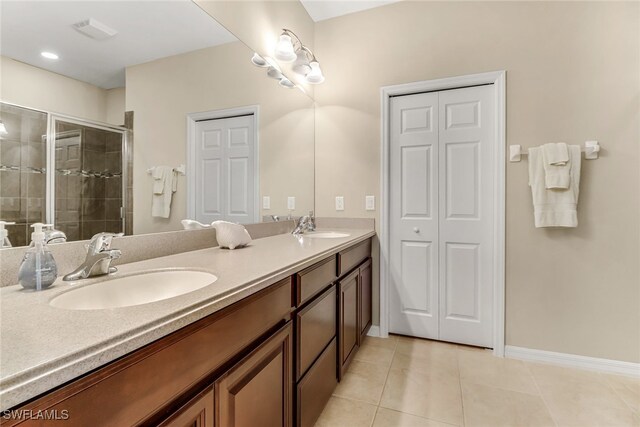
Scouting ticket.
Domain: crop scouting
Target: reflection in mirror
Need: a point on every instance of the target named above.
(206, 134)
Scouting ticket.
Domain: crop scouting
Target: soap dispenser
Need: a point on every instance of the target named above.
(38, 270)
(4, 235)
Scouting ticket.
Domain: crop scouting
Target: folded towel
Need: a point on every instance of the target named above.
(554, 207)
(556, 165)
(231, 235)
(159, 174)
(163, 189)
(556, 153)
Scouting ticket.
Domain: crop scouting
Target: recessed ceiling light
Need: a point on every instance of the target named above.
(49, 55)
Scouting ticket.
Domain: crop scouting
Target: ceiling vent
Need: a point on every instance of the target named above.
(95, 29)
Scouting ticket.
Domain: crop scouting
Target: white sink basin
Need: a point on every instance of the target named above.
(134, 290)
(325, 235)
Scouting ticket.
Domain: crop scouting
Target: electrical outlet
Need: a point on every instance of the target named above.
(291, 203)
(370, 203)
(266, 202)
(339, 203)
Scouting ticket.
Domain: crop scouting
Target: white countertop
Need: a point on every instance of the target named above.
(42, 346)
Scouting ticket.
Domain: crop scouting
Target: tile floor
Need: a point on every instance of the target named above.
(403, 382)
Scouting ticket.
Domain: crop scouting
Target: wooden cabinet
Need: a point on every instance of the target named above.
(348, 333)
(316, 387)
(315, 328)
(198, 412)
(257, 392)
(365, 298)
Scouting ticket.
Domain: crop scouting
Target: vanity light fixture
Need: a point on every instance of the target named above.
(291, 49)
(285, 82)
(49, 55)
(259, 61)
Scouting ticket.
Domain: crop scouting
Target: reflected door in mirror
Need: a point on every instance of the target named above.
(226, 175)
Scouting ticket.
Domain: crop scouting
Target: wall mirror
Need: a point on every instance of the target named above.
(109, 109)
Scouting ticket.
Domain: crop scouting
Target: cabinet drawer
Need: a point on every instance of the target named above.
(312, 280)
(133, 388)
(315, 328)
(316, 387)
(349, 258)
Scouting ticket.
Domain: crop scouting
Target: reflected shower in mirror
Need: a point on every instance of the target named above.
(175, 90)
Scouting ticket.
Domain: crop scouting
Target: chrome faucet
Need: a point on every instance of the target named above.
(99, 257)
(305, 223)
(51, 235)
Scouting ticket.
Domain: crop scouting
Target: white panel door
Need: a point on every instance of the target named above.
(414, 215)
(225, 170)
(441, 218)
(467, 128)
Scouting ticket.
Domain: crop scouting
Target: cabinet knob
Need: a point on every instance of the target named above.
(416, 230)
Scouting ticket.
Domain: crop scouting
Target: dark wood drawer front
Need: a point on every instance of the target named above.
(315, 328)
(348, 259)
(314, 279)
(316, 387)
(127, 391)
(349, 333)
(366, 293)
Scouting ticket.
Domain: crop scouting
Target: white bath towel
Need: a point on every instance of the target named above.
(164, 186)
(556, 165)
(554, 207)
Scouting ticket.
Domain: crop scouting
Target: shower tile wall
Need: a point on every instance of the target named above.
(87, 204)
(22, 170)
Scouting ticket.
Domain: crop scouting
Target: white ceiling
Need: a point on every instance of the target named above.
(320, 10)
(147, 30)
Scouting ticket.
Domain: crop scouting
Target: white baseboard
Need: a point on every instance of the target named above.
(573, 360)
(374, 331)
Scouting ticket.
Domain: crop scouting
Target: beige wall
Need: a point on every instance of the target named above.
(40, 89)
(114, 108)
(161, 94)
(572, 74)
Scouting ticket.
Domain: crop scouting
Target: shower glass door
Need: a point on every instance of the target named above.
(87, 184)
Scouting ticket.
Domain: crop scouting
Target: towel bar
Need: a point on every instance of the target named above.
(590, 150)
(181, 170)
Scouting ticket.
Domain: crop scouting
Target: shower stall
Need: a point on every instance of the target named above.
(61, 170)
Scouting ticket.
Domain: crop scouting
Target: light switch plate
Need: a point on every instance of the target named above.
(370, 203)
(291, 203)
(339, 203)
(266, 202)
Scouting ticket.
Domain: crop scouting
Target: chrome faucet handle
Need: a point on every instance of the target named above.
(101, 242)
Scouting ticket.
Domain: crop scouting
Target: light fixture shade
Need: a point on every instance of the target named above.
(49, 55)
(274, 73)
(315, 75)
(259, 61)
(3, 129)
(284, 50)
(285, 82)
(301, 65)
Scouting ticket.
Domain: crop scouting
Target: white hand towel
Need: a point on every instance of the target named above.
(556, 165)
(554, 207)
(163, 189)
(231, 235)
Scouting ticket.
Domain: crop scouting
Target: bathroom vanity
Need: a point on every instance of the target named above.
(266, 351)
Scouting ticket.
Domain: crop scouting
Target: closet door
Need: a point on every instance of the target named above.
(466, 138)
(414, 215)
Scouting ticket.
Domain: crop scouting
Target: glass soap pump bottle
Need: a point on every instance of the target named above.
(38, 270)
(4, 235)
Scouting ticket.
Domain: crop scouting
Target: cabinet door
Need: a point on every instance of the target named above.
(198, 412)
(349, 331)
(365, 298)
(257, 392)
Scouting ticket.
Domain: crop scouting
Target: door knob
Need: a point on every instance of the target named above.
(416, 230)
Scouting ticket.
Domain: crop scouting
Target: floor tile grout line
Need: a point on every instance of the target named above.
(616, 393)
(544, 401)
(464, 415)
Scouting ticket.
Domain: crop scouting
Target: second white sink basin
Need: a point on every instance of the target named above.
(325, 235)
(134, 290)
